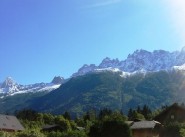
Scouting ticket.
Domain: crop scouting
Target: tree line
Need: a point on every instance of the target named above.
(105, 123)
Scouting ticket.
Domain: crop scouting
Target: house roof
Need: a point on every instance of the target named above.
(144, 124)
(129, 122)
(80, 128)
(10, 123)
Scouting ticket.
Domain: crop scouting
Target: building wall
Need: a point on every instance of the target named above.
(172, 114)
(144, 133)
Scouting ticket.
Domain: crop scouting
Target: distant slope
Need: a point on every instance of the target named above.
(93, 91)
(106, 89)
(9, 104)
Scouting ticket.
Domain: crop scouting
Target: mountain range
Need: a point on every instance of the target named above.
(139, 61)
(10, 87)
(153, 78)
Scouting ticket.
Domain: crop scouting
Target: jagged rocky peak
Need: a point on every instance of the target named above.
(9, 82)
(85, 69)
(140, 60)
(141, 54)
(148, 61)
(107, 62)
(10, 87)
(57, 80)
(141, 51)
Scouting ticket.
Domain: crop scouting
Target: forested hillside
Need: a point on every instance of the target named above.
(109, 90)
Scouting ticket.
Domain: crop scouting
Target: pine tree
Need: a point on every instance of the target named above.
(138, 109)
(146, 111)
(67, 115)
(130, 114)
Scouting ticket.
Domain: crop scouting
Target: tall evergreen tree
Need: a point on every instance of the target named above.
(130, 114)
(104, 112)
(139, 109)
(66, 115)
(146, 111)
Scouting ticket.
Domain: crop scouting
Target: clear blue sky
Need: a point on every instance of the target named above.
(43, 38)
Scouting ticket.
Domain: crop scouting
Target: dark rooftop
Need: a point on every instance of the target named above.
(10, 123)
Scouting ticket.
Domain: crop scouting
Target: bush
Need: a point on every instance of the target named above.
(171, 130)
(30, 133)
(111, 128)
(67, 134)
(64, 123)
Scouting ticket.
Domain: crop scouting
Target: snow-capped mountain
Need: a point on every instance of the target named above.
(10, 87)
(139, 61)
